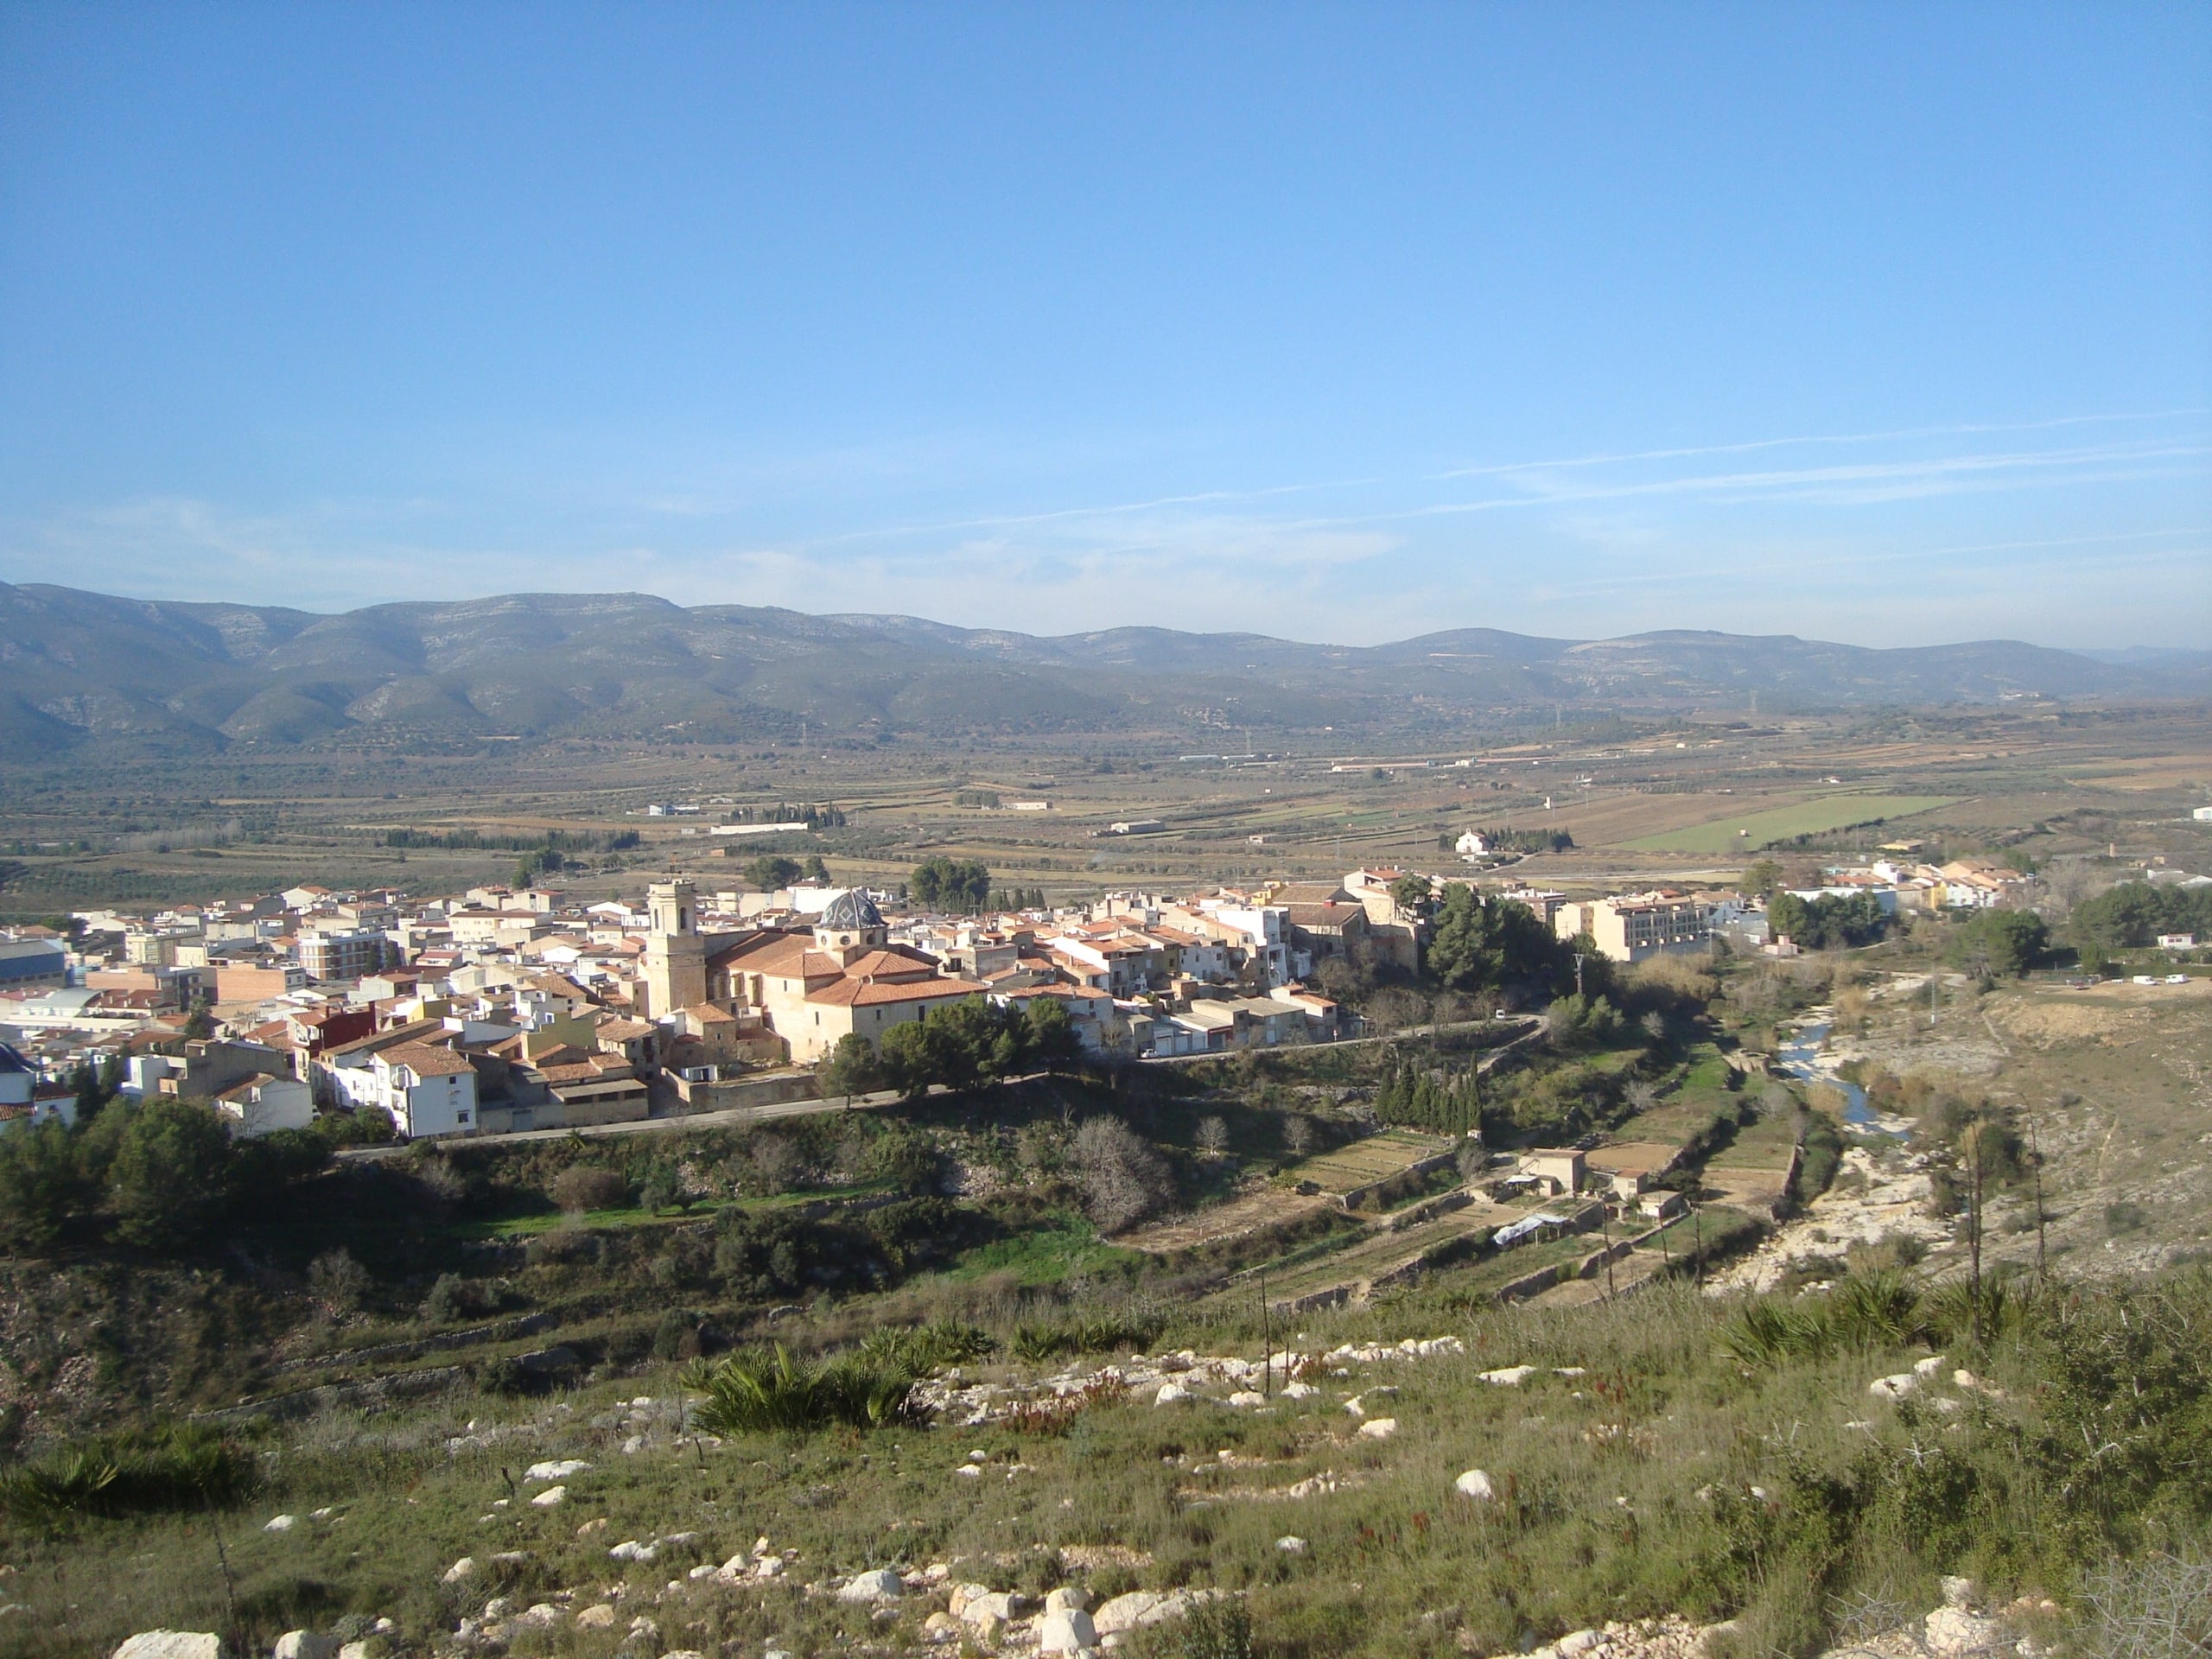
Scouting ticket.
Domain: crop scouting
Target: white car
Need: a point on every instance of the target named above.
(2177, 979)
(2146, 979)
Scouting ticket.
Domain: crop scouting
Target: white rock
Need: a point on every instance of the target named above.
(1958, 1592)
(941, 1627)
(550, 1496)
(599, 1618)
(1248, 1397)
(1953, 1633)
(634, 1445)
(557, 1470)
(1578, 1642)
(968, 1471)
(306, 1644)
(1510, 1377)
(356, 1650)
(1475, 1483)
(171, 1645)
(630, 1549)
(1170, 1393)
(280, 1523)
(1355, 1407)
(1379, 1428)
(1068, 1630)
(542, 1615)
(991, 1604)
(705, 1570)
(881, 1584)
(1299, 1390)
(1140, 1607)
(1067, 1598)
(1291, 1544)
(1893, 1388)
(769, 1566)
(461, 1570)
(1929, 1366)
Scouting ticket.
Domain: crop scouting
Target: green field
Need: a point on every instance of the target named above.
(1755, 830)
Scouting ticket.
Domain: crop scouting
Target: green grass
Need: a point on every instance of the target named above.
(1779, 824)
(1625, 1492)
(1067, 1245)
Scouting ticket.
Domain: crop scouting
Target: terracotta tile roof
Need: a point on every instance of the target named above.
(860, 994)
(426, 1061)
(897, 963)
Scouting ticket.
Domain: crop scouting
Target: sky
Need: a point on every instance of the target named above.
(1890, 324)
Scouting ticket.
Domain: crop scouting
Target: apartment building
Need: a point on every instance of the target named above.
(1633, 927)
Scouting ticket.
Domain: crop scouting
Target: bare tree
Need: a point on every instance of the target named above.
(1642, 1094)
(1123, 1178)
(1213, 1134)
(1297, 1132)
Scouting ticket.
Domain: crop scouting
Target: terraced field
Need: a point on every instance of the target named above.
(1364, 1162)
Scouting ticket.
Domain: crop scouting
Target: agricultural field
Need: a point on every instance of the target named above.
(1376, 1157)
(1748, 832)
(1646, 802)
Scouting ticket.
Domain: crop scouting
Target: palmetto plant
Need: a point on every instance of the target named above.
(774, 1392)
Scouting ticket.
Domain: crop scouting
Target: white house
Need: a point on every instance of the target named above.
(429, 1090)
(263, 1104)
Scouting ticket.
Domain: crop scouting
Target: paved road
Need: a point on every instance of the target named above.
(726, 1118)
(667, 1118)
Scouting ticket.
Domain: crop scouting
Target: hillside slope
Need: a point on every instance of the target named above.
(80, 669)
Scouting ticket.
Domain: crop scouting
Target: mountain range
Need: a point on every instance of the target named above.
(90, 672)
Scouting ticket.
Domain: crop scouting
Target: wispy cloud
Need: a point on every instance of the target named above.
(2110, 526)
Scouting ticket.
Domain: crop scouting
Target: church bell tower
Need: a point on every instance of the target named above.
(676, 956)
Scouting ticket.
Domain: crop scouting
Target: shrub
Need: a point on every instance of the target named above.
(1123, 1178)
(677, 1336)
(929, 1348)
(1095, 1334)
(756, 1393)
(171, 1467)
(2159, 1607)
(452, 1298)
(1215, 1630)
(587, 1186)
(337, 1278)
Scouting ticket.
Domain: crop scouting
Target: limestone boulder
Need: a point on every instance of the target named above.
(1067, 1598)
(306, 1644)
(1954, 1633)
(171, 1645)
(1139, 1608)
(1475, 1483)
(1067, 1630)
(881, 1584)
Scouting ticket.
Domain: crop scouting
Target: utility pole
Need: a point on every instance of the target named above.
(1605, 1229)
(1970, 1143)
(1267, 1342)
(2035, 1151)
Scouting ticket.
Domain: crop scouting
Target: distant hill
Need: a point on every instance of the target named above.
(82, 671)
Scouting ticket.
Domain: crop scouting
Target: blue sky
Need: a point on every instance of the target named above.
(1891, 324)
